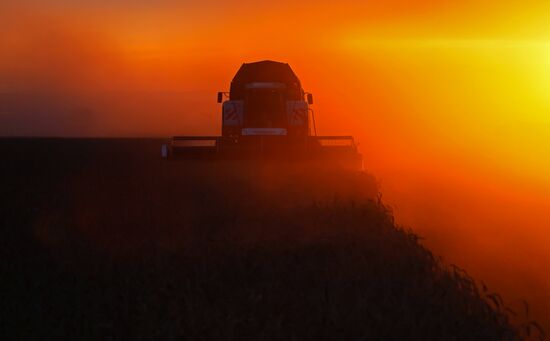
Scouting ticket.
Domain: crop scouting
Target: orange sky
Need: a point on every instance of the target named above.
(449, 101)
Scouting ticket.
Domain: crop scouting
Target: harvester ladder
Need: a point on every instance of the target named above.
(313, 120)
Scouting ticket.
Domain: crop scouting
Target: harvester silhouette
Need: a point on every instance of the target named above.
(267, 115)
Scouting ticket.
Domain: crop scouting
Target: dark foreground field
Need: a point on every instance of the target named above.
(101, 239)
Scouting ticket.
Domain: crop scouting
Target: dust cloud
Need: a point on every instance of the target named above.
(61, 78)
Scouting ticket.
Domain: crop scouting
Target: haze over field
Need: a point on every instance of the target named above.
(449, 101)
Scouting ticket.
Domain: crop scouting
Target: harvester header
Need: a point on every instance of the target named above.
(267, 114)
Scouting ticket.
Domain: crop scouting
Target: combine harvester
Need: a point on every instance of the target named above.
(266, 116)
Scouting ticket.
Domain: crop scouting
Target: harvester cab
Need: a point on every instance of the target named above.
(265, 99)
(266, 115)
